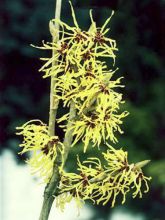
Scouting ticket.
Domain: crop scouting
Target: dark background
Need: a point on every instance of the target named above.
(139, 29)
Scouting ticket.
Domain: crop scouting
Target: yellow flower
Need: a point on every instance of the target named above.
(124, 174)
(76, 186)
(101, 124)
(83, 78)
(62, 199)
(104, 47)
(43, 148)
(96, 101)
(67, 87)
(76, 47)
(103, 184)
(61, 50)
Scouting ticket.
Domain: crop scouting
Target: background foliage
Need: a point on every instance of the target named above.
(138, 27)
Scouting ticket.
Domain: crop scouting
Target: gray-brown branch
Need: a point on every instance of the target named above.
(51, 187)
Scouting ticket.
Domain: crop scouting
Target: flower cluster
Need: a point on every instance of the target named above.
(98, 124)
(102, 184)
(82, 77)
(42, 147)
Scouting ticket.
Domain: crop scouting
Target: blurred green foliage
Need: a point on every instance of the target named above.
(138, 27)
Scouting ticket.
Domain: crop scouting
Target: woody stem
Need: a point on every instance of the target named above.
(54, 181)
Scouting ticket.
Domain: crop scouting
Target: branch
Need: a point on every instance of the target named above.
(68, 135)
(54, 102)
(54, 181)
(51, 187)
(50, 190)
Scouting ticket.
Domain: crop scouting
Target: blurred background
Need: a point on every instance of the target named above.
(139, 29)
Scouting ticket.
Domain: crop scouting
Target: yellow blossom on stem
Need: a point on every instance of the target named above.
(98, 125)
(80, 78)
(103, 183)
(42, 147)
